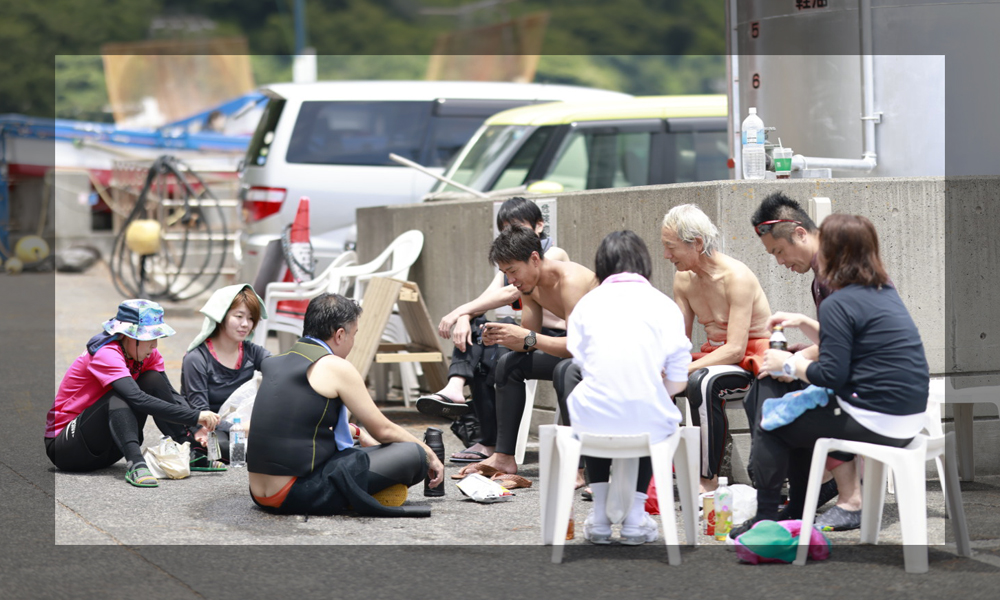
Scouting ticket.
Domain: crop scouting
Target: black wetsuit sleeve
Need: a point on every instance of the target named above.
(177, 411)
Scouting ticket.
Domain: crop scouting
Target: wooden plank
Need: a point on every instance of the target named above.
(417, 321)
(408, 295)
(420, 357)
(379, 299)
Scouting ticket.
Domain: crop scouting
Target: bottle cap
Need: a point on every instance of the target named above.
(236, 420)
(779, 327)
(723, 481)
(753, 110)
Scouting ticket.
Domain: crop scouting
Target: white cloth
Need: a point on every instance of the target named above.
(622, 334)
(898, 427)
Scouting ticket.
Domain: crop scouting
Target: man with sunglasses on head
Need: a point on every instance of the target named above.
(791, 237)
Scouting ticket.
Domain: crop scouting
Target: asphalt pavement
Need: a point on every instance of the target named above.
(92, 535)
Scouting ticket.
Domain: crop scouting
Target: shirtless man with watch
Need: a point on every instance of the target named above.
(555, 286)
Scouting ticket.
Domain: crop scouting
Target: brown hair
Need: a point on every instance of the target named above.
(247, 297)
(849, 246)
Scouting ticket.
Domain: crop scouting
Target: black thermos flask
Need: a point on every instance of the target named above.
(432, 437)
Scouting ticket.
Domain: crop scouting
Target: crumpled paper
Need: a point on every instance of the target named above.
(483, 490)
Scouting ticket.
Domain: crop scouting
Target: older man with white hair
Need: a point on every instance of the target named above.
(727, 300)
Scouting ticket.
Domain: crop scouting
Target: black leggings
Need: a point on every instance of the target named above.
(87, 443)
(328, 489)
(787, 451)
(477, 365)
(512, 371)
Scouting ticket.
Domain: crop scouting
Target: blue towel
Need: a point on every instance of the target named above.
(778, 412)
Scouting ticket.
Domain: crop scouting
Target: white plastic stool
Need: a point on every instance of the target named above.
(559, 454)
(909, 473)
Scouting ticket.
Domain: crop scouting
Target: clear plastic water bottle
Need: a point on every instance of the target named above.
(753, 133)
(779, 342)
(723, 509)
(237, 445)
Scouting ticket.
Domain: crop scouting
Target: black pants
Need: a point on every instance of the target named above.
(787, 452)
(707, 392)
(753, 403)
(477, 365)
(86, 443)
(323, 492)
(512, 371)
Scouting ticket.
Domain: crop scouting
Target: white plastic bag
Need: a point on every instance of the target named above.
(240, 402)
(168, 459)
(744, 502)
(483, 490)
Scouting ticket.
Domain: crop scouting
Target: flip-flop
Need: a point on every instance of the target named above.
(484, 470)
(481, 456)
(439, 405)
(511, 481)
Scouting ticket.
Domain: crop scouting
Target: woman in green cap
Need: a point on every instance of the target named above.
(221, 359)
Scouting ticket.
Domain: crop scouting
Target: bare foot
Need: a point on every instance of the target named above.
(504, 463)
(477, 447)
(580, 479)
(709, 485)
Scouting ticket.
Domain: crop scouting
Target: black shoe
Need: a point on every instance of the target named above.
(744, 527)
(439, 405)
(787, 514)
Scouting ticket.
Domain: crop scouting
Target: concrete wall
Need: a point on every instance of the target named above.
(910, 214)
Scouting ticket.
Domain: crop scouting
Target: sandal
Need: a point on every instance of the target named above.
(140, 476)
(200, 462)
(511, 481)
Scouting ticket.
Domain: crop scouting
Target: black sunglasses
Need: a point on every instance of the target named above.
(767, 226)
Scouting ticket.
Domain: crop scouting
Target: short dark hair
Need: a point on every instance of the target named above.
(327, 313)
(779, 206)
(247, 297)
(849, 246)
(515, 243)
(622, 252)
(520, 210)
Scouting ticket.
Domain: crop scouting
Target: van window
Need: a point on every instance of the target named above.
(358, 133)
(260, 145)
(516, 171)
(491, 148)
(447, 136)
(593, 159)
(698, 156)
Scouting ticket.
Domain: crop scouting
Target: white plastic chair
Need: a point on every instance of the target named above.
(962, 400)
(530, 387)
(559, 454)
(909, 474)
(333, 279)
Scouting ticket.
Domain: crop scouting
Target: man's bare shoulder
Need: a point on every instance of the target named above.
(576, 274)
(556, 253)
(738, 274)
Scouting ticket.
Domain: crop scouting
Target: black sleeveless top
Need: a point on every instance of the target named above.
(291, 427)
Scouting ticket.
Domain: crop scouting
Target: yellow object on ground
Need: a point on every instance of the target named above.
(14, 266)
(143, 237)
(31, 249)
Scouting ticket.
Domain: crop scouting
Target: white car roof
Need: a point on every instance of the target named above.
(431, 90)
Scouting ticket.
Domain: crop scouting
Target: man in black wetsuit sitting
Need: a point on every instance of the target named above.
(301, 456)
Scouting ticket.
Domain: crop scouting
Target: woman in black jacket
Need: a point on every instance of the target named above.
(871, 360)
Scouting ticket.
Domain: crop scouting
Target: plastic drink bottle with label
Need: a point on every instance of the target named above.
(778, 342)
(723, 509)
(753, 135)
(237, 445)
(708, 512)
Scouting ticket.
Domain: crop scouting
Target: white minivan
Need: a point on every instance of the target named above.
(330, 141)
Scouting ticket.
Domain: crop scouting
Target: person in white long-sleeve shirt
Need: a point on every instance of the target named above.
(630, 366)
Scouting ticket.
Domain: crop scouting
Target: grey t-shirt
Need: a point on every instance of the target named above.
(207, 383)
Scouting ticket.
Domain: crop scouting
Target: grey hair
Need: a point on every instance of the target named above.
(688, 222)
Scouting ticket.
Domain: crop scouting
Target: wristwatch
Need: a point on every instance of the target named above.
(789, 367)
(529, 340)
